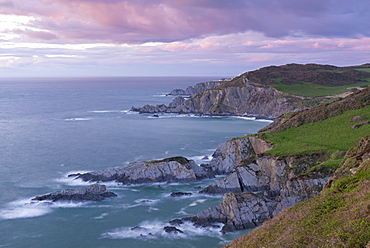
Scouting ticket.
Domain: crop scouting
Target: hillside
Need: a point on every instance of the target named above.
(357, 100)
(338, 217)
(311, 79)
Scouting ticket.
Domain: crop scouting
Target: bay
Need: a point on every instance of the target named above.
(51, 127)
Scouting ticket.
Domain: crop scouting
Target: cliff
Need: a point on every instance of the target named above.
(338, 217)
(249, 99)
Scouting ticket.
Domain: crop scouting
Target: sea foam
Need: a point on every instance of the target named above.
(26, 208)
(155, 229)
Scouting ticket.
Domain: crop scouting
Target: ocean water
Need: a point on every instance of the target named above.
(51, 127)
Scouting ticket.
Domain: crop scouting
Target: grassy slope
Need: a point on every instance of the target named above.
(315, 90)
(332, 134)
(338, 217)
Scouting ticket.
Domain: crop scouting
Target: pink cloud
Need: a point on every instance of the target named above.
(138, 21)
(39, 35)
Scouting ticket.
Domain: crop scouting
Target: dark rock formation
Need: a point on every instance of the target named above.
(236, 212)
(179, 194)
(172, 229)
(177, 169)
(95, 192)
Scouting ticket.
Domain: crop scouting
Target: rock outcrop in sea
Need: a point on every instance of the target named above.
(94, 192)
(176, 169)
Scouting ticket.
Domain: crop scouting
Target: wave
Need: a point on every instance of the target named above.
(155, 229)
(26, 208)
(78, 119)
(72, 181)
(105, 111)
(160, 95)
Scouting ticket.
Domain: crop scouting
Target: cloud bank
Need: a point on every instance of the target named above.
(189, 32)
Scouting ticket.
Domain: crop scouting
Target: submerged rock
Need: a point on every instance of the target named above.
(176, 169)
(95, 192)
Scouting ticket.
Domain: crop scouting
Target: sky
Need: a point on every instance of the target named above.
(178, 37)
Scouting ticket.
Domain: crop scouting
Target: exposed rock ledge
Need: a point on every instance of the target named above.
(176, 169)
(259, 186)
(95, 192)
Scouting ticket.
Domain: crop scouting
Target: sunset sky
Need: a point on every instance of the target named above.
(178, 37)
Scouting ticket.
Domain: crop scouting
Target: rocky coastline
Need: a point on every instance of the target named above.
(256, 185)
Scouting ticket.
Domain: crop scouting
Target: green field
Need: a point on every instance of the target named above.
(332, 134)
(315, 90)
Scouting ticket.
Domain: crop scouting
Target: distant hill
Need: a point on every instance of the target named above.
(307, 80)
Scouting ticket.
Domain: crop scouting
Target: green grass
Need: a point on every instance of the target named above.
(363, 69)
(332, 134)
(314, 90)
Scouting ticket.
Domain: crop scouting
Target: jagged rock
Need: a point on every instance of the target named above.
(179, 194)
(176, 222)
(172, 229)
(236, 212)
(230, 154)
(197, 88)
(235, 152)
(274, 178)
(95, 192)
(178, 92)
(177, 169)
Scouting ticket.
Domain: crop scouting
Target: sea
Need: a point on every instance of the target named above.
(53, 127)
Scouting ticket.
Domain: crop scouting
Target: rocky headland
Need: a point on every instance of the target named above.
(247, 100)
